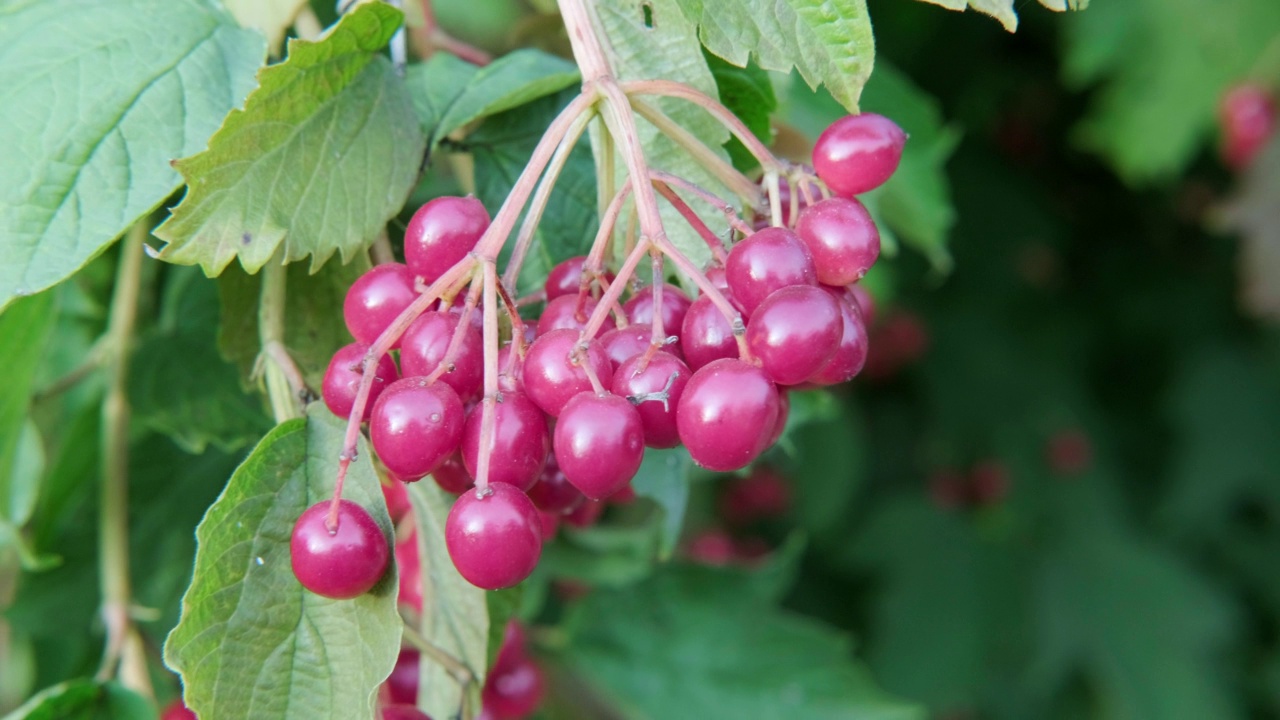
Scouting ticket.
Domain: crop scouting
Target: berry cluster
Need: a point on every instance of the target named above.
(559, 413)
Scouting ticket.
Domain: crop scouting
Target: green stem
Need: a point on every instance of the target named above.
(284, 382)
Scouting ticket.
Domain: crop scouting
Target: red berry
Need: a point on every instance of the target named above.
(663, 374)
(858, 153)
(599, 443)
(426, 343)
(718, 278)
(553, 493)
(863, 300)
(842, 238)
(552, 373)
(566, 278)
(441, 233)
(625, 343)
(1069, 452)
(726, 414)
(375, 299)
(706, 335)
(177, 711)
(415, 426)
(1248, 115)
(851, 354)
(675, 304)
(571, 312)
(761, 495)
(780, 425)
(451, 475)
(585, 514)
(342, 564)
(795, 332)
(342, 380)
(766, 262)
(494, 539)
(402, 685)
(513, 689)
(397, 498)
(521, 441)
(550, 524)
(409, 566)
(402, 712)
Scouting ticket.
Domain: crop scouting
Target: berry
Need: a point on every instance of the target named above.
(521, 441)
(1248, 116)
(585, 515)
(898, 340)
(989, 480)
(663, 374)
(727, 414)
(342, 564)
(494, 539)
(599, 443)
(513, 689)
(409, 566)
(566, 278)
(766, 262)
(780, 425)
(863, 300)
(402, 685)
(552, 373)
(177, 711)
(570, 312)
(415, 426)
(795, 332)
(510, 374)
(625, 496)
(842, 238)
(402, 712)
(397, 498)
(706, 335)
(858, 153)
(712, 547)
(625, 343)
(761, 495)
(1069, 452)
(675, 304)
(425, 344)
(441, 233)
(451, 475)
(851, 354)
(718, 278)
(375, 299)
(550, 524)
(553, 493)
(342, 380)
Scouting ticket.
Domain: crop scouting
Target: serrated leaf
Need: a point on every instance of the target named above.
(748, 92)
(1003, 10)
(324, 153)
(252, 642)
(85, 700)
(455, 617)
(270, 17)
(95, 100)
(1163, 65)
(449, 93)
(696, 643)
(24, 331)
(667, 47)
(664, 478)
(828, 41)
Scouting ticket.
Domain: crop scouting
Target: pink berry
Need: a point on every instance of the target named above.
(441, 233)
(402, 685)
(494, 539)
(625, 343)
(662, 374)
(863, 300)
(712, 547)
(513, 689)
(409, 567)
(675, 304)
(851, 355)
(858, 153)
(451, 475)
(401, 712)
(415, 426)
(795, 332)
(766, 262)
(585, 515)
(521, 441)
(550, 524)
(571, 312)
(553, 493)
(342, 380)
(566, 278)
(780, 425)
(762, 495)
(1248, 116)
(397, 499)
(842, 238)
(342, 564)
(375, 299)
(625, 496)
(177, 711)
(599, 443)
(553, 373)
(426, 343)
(727, 414)
(706, 334)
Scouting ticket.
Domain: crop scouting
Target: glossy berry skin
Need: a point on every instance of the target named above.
(415, 426)
(553, 493)
(513, 689)
(1248, 116)
(521, 441)
(409, 568)
(397, 498)
(599, 443)
(863, 301)
(766, 262)
(426, 343)
(675, 304)
(585, 515)
(343, 564)
(706, 335)
(622, 344)
(402, 712)
(566, 278)
(177, 711)
(571, 312)
(858, 153)
(718, 278)
(851, 355)
(441, 233)
(342, 380)
(495, 539)
(659, 420)
(375, 299)
(552, 377)
(401, 687)
(842, 238)
(727, 414)
(795, 332)
(452, 475)
(780, 425)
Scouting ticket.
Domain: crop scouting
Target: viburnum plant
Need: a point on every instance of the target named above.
(369, 556)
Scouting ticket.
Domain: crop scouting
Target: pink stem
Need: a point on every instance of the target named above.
(670, 88)
(488, 406)
(730, 213)
(717, 298)
(613, 292)
(713, 242)
(455, 341)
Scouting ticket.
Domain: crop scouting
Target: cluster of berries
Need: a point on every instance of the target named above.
(579, 399)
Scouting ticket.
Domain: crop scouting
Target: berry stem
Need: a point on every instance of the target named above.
(719, 203)
(491, 390)
(659, 336)
(284, 389)
(717, 298)
(594, 266)
(775, 197)
(670, 88)
(740, 184)
(712, 240)
(459, 332)
(612, 292)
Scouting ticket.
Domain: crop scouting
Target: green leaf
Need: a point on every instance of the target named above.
(664, 477)
(24, 331)
(1162, 66)
(503, 605)
(270, 17)
(830, 467)
(85, 700)
(748, 92)
(95, 100)
(324, 153)
(667, 47)
(252, 642)
(828, 41)
(198, 399)
(1003, 11)
(697, 643)
(604, 555)
(449, 93)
